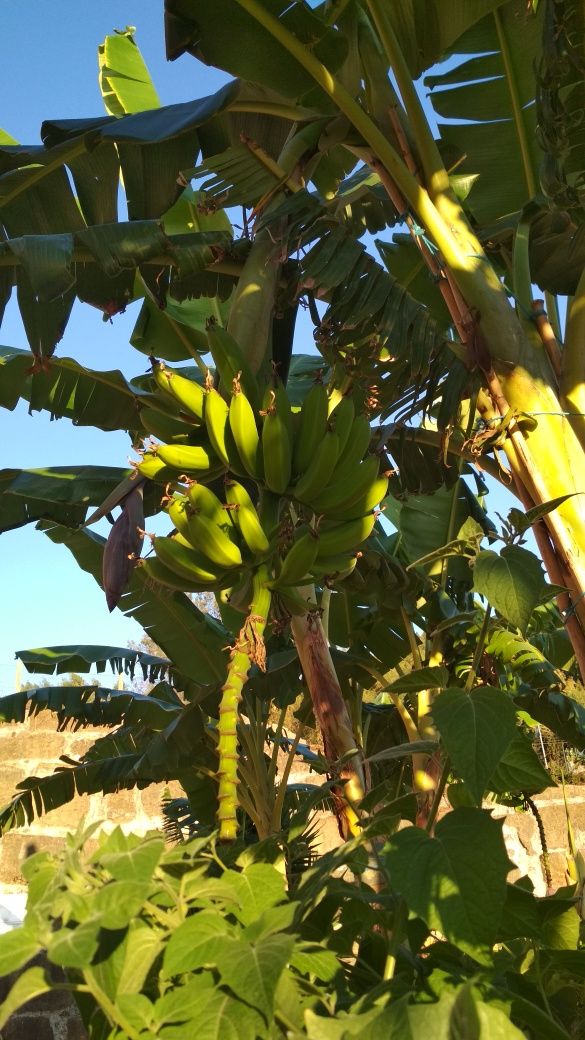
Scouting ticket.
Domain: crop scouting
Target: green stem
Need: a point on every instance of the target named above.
(398, 928)
(249, 647)
(516, 107)
(478, 651)
(411, 636)
(438, 795)
(111, 1009)
(436, 176)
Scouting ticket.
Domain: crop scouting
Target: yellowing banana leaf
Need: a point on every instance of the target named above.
(488, 106)
(194, 642)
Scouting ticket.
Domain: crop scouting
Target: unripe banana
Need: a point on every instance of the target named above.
(367, 501)
(299, 559)
(311, 429)
(231, 363)
(294, 603)
(216, 417)
(188, 563)
(348, 486)
(357, 444)
(189, 458)
(245, 432)
(345, 537)
(334, 568)
(240, 595)
(246, 518)
(276, 442)
(208, 538)
(183, 515)
(320, 470)
(342, 417)
(153, 468)
(189, 394)
(204, 500)
(157, 572)
(165, 428)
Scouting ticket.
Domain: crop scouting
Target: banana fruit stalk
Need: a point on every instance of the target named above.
(248, 649)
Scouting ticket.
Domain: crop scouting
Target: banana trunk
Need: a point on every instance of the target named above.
(332, 716)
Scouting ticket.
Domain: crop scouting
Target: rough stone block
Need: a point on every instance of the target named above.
(15, 847)
(120, 807)
(69, 815)
(37, 746)
(10, 776)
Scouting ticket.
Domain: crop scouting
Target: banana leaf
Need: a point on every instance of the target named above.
(487, 112)
(194, 641)
(78, 706)
(51, 660)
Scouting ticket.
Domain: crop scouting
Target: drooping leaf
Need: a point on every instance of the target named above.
(51, 660)
(90, 706)
(513, 583)
(476, 728)
(455, 881)
(419, 679)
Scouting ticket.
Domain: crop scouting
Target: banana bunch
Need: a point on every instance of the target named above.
(214, 542)
(315, 457)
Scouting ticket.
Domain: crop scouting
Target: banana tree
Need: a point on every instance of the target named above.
(318, 146)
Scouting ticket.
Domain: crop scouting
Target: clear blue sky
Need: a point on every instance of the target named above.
(49, 70)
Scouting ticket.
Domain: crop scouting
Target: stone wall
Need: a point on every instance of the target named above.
(33, 748)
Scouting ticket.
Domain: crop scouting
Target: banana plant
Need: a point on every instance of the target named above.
(337, 150)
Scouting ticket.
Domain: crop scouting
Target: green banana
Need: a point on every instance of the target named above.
(164, 427)
(342, 417)
(182, 514)
(240, 595)
(246, 518)
(245, 432)
(189, 458)
(208, 538)
(348, 486)
(216, 416)
(357, 443)
(312, 427)
(188, 563)
(320, 470)
(345, 537)
(204, 500)
(157, 572)
(367, 501)
(294, 603)
(189, 394)
(277, 441)
(231, 363)
(334, 568)
(299, 559)
(153, 468)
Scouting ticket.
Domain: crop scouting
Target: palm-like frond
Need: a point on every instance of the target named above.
(79, 706)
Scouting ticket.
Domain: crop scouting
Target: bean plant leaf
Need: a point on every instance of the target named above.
(513, 583)
(455, 881)
(252, 970)
(419, 679)
(31, 984)
(520, 769)
(476, 729)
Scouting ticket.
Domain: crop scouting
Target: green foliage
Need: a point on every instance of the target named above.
(160, 942)
(442, 644)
